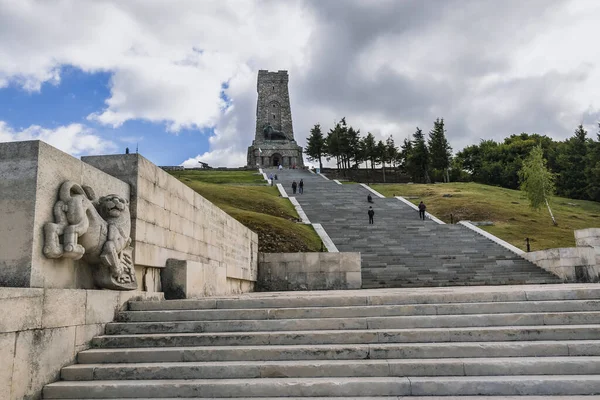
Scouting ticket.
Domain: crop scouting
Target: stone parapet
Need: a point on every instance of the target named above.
(42, 330)
(31, 174)
(308, 271)
(183, 279)
(171, 221)
(572, 264)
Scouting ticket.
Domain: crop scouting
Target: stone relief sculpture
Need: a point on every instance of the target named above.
(272, 134)
(96, 230)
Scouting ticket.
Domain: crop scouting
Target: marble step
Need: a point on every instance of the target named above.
(400, 398)
(359, 311)
(381, 297)
(333, 387)
(426, 335)
(542, 348)
(335, 368)
(396, 322)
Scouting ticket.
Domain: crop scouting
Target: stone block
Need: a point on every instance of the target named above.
(85, 333)
(293, 266)
(101, 306)
(174, 279)
(22, 309)
(353, 280)
(39, 356)
(64, 307)
(350, 262)
(215, 274)
(7, 355)
(329, 262)
(587, 237)
(312, 262)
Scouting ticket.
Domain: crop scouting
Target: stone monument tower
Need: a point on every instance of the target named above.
(274, 142)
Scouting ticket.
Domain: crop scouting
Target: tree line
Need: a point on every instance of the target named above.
(574, 163)
(423, 159)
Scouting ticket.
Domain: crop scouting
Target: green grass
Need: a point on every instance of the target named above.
(508, 209)
(244, 196)
(221, 177)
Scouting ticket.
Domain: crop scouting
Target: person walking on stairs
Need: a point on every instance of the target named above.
(371, 214)
(369, 198)
(294, 185)
(422, 208)
(301, 186)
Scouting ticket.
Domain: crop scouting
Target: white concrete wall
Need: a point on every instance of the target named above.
(587, 237)
(308, 271)
(31, 174)
(171, 221)
(565, 262)
(41, 331)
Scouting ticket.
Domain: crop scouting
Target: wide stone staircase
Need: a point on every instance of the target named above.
(399, 249)
(492, 342)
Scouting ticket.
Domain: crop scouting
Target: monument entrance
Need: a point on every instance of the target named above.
(274, 142)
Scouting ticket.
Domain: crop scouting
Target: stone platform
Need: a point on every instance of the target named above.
(493, 342)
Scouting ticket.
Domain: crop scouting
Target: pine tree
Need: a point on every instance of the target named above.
(315, 145)
(593, 169)
(419, 157)
(381, 156)
(354, 150)
(391, 150)
(404, 156)
(536, 180)
(368, 145)
(439, 149)
(332, 143)
(571, 160)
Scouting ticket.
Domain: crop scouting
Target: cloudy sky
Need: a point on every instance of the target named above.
(178, 78)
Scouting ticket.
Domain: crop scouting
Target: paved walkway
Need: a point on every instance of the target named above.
(399, 249)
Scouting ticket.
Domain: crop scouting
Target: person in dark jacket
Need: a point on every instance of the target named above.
(371, 214)
(422, 208)
(301, 186)
(369, 198)
(294, 185)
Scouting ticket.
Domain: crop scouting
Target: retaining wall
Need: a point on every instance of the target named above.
(41, 331)
(308, 271)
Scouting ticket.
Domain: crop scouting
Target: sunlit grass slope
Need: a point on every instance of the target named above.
(244, 196)
(508, 209)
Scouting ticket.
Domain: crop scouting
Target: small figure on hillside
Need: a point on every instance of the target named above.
(275, 176)
(126, 150)
(371, 214)
(301, 186)
(294, 185)
(369, 198)
(422, 208)
(271, 178)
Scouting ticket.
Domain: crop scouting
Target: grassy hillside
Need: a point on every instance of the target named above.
(244, 196)
(509, 209)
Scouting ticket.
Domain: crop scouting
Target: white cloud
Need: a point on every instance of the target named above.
(218, 158)
(75, 139)
(489, 68)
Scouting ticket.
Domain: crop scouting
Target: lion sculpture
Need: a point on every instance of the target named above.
(95, 230)
(271, 134)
